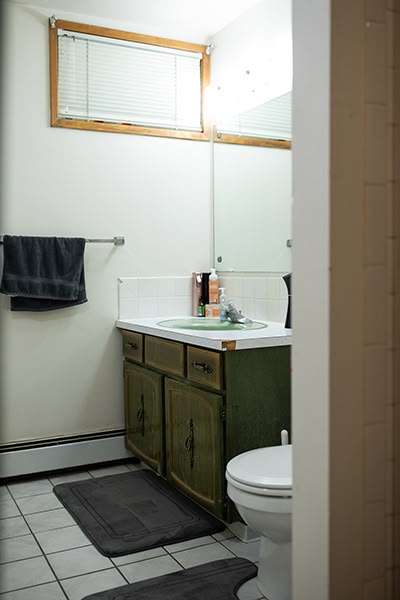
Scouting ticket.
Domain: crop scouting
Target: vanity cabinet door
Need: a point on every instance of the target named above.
(144, 415)
(195, 444)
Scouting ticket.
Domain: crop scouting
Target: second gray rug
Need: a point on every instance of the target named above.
(218, 580)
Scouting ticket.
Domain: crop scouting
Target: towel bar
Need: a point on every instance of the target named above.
(117, 241)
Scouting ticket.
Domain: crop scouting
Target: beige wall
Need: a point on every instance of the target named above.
(365, 306)
(91, 184)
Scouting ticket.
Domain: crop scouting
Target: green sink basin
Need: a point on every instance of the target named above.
(207, 324)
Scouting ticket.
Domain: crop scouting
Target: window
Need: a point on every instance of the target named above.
(269, 124)
(108, 80)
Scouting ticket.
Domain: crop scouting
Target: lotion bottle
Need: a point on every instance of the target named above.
(213, 287)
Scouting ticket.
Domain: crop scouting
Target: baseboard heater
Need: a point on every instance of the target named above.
(62, 453)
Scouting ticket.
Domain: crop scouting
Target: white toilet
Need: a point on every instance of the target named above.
(260, 485)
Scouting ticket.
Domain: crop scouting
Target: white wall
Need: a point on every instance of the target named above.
(310, 349)
(61, 371)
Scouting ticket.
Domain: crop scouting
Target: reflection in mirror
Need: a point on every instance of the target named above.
(252, 210)
(253, 189)
(271, 120)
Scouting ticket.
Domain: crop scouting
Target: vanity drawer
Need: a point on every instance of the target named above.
(204, 366)
(165, 355)
(132, 345)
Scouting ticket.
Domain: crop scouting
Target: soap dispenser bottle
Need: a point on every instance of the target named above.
(222, 304)
(213, 287)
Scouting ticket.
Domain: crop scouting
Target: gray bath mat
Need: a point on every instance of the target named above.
(134, 512)
(217, 580)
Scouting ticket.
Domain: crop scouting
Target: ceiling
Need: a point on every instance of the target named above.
(196, 20)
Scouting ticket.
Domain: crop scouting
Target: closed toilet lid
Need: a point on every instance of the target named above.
(268, 468)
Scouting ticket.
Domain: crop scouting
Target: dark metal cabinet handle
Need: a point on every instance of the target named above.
(132, 345)
(140, 414)
(189, 443)
(203, 367)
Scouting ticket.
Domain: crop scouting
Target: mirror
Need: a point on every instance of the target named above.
(253, 181)
(252, 208)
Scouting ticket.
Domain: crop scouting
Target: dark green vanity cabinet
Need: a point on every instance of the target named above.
(189, 410)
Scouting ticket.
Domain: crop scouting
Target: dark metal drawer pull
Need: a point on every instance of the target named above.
(189, 443)
(140, 414)
(132, 345)
(203, 367)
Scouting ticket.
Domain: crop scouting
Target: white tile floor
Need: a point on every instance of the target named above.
(44, 555)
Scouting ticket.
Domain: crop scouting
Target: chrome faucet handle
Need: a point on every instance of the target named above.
(235, 315)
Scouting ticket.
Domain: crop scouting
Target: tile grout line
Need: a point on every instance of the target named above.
(187, 549)
(113, 566)
(38, 543)
(44, 554)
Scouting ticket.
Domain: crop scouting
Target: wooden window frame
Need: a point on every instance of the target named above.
(250, 141)
(56, 121)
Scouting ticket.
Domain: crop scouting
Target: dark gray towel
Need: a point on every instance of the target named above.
(43, 273)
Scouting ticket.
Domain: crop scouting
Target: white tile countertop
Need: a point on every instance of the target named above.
(274, 334)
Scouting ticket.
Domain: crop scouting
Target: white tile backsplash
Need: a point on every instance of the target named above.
(147, 307)
(183, 286)
(247, 307)
(174, 306)
(276, 310)
(235, 285)
(260, 288)
(276, 288)
(260, 310)
(166, 287)
(262, 298)
(141, 297)
(248, 287)
(169, 306)
(128, 308)
(148, 287)
(128, 287)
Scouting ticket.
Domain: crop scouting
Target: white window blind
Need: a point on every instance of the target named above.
(272, 120)
(115, 81)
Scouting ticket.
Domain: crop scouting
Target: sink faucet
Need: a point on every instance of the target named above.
(235, 315)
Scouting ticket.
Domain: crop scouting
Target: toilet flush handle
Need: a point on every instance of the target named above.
(284, 437)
